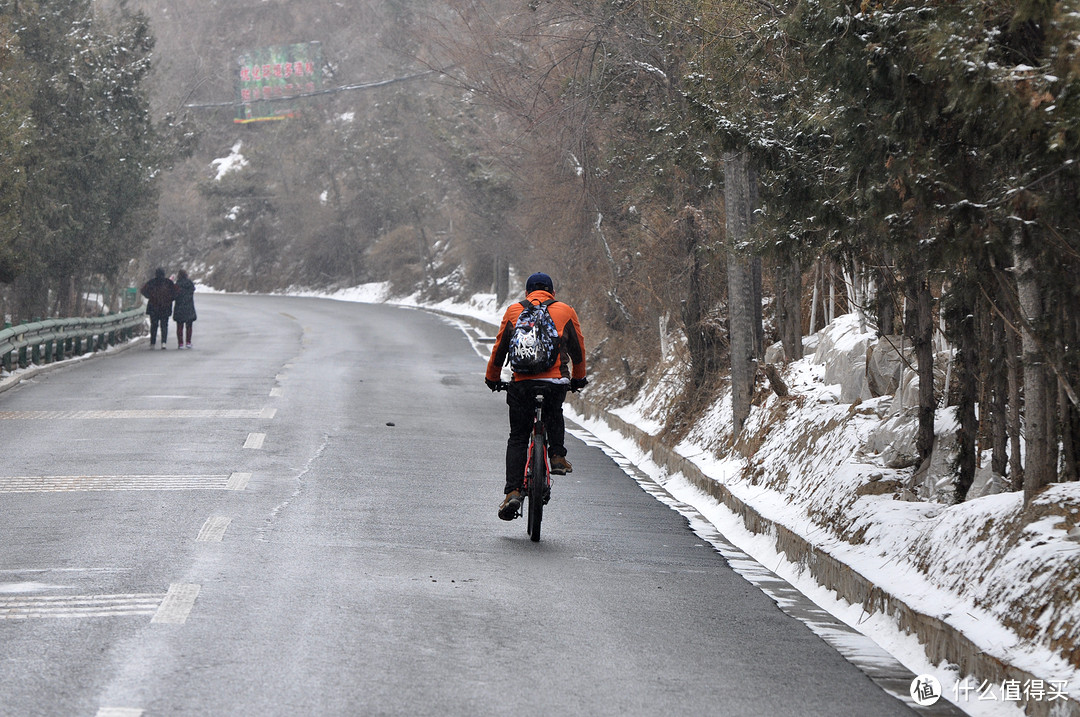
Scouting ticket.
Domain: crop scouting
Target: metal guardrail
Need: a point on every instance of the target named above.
(42, 342)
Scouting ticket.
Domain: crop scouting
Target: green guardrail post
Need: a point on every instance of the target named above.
(22, 357)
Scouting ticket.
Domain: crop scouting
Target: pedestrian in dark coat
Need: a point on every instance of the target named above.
(184, 309)
(159, 293)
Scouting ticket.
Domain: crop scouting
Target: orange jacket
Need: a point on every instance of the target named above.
(566, 322)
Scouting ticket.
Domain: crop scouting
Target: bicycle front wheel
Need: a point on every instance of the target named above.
(537, 481)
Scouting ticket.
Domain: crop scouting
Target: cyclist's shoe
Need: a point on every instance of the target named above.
(559, 465)
(511, 505)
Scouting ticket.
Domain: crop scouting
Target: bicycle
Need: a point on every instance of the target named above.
(537, 483)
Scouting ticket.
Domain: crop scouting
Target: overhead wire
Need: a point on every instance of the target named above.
(316, 93)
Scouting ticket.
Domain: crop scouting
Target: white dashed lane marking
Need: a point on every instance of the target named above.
(255, 440)
(177, 604)
(119, 712)
(238, 481)
(213, 529)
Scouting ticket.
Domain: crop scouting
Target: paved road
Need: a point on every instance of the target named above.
(298, 517)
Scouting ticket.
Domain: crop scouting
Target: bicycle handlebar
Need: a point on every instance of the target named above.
(504, 385)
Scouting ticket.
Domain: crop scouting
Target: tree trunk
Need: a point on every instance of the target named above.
(789, 306)
(756, 301)
(884, 301)
(999, 389)
(1036, 466)
(740, 287)
(1052, 440)
(1069, 420)
(1070, 430)
(832, 294)
(753, 195)
(967, 370)
(702, 340)
(1016, 464)
(920, 326)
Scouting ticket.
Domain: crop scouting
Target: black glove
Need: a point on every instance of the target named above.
(493, 385)
(576, 384)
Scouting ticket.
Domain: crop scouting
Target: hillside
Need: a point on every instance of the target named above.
(361, 174)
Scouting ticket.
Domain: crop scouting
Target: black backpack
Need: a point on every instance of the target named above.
(535, 343)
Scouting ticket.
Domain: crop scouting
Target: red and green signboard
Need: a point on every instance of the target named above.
(271, 79)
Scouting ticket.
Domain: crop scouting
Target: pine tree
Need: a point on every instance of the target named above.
(90, 154)
(15, 128)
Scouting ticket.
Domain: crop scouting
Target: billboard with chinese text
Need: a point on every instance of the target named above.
(270, 79)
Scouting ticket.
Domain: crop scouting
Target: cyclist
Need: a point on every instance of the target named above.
(568, 373)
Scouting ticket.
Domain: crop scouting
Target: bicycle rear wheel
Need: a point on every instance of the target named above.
(537, 481)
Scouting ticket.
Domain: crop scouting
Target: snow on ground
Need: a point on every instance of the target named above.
(1004, 575)
(231, 163)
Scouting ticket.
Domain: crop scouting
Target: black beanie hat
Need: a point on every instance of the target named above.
(539, 280)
